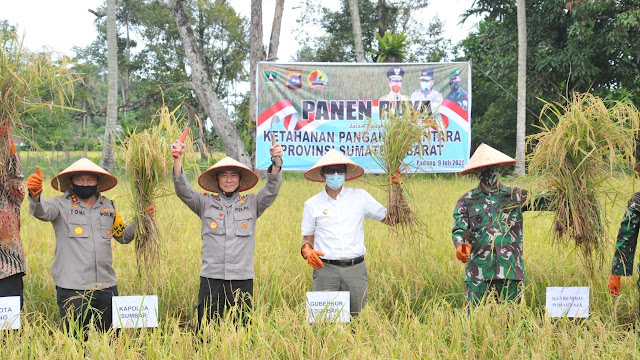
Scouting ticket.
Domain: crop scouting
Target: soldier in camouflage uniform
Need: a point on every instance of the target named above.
(457, 94)
(487, 230)
(626, 244)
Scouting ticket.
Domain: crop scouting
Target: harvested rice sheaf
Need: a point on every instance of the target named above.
(577, 150)
(400, 133)
(148, 164)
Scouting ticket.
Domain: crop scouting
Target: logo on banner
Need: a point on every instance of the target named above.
(294, 80)
(317, 79)
(270, 77)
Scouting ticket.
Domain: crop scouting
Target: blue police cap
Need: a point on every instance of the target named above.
(426, 74)
(395, 73)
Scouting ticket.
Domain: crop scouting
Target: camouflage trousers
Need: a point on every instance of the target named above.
(506, 290)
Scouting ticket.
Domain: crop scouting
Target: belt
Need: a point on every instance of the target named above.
(344, 263)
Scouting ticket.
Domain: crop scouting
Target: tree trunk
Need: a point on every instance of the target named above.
(107, 160)
(357, 30)
(255, 55)
(202, 86)
(521, 114)
(85, 131)
(381, 9)
(274, 42)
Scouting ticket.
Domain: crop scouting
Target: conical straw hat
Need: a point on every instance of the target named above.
(485, 155)
(334, 157)
(208, 180)
(106, 181)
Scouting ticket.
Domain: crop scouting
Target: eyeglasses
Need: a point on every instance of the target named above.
(334, 171)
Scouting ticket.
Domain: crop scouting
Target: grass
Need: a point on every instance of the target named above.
(416, 301)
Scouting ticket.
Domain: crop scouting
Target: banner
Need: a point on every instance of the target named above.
(310, 108)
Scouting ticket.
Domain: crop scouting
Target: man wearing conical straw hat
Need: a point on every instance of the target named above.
(487, 229)
(84, 222)
(626, 243)
(332, 228)
(228, 228)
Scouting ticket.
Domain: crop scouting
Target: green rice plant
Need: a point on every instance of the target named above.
(148, 164)
(401, 131)
(576, 152)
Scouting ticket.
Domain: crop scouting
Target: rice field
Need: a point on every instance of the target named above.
(416, 307)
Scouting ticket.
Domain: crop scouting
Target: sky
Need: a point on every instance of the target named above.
(60, 25)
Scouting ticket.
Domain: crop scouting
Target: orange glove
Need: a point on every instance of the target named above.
(312, 256)
(614, 285)
(463, 252)
(395, 178)
(151, 210)
(34, 182)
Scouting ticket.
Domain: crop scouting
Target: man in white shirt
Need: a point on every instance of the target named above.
(332, 229)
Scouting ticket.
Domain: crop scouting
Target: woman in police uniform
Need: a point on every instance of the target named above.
(228, 227)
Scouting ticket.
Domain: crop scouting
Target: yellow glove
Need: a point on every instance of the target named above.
(118, 225)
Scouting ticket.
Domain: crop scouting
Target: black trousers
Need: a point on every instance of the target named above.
(216, 296)
(12, 286)
(86, 306)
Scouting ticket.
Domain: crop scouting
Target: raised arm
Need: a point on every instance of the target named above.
(44, 210)
(267, 195)
(184, 190)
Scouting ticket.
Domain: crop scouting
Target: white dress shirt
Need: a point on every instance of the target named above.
(338, 224)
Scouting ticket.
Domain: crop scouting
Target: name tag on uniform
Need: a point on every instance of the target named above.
(135, 311)
(328, 306)
(10, 312)
(568, 301)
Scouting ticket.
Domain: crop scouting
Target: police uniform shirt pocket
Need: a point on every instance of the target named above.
(78, 226)
(213, 221)
(107, 218)
(244, 223)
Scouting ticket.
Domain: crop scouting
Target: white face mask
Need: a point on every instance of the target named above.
(425, 85)
(334, 181)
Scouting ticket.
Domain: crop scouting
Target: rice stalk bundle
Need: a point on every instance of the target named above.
(148, 164)
(401, 132)
(577, 150)
(28, 81)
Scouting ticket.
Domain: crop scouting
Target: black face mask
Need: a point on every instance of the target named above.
(489, 176)
(84, 192)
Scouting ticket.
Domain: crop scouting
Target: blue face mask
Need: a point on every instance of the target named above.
(334, 181)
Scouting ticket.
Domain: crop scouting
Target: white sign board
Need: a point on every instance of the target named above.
(135, 311)
(568, 301)
(328, 306)
(10, 312)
